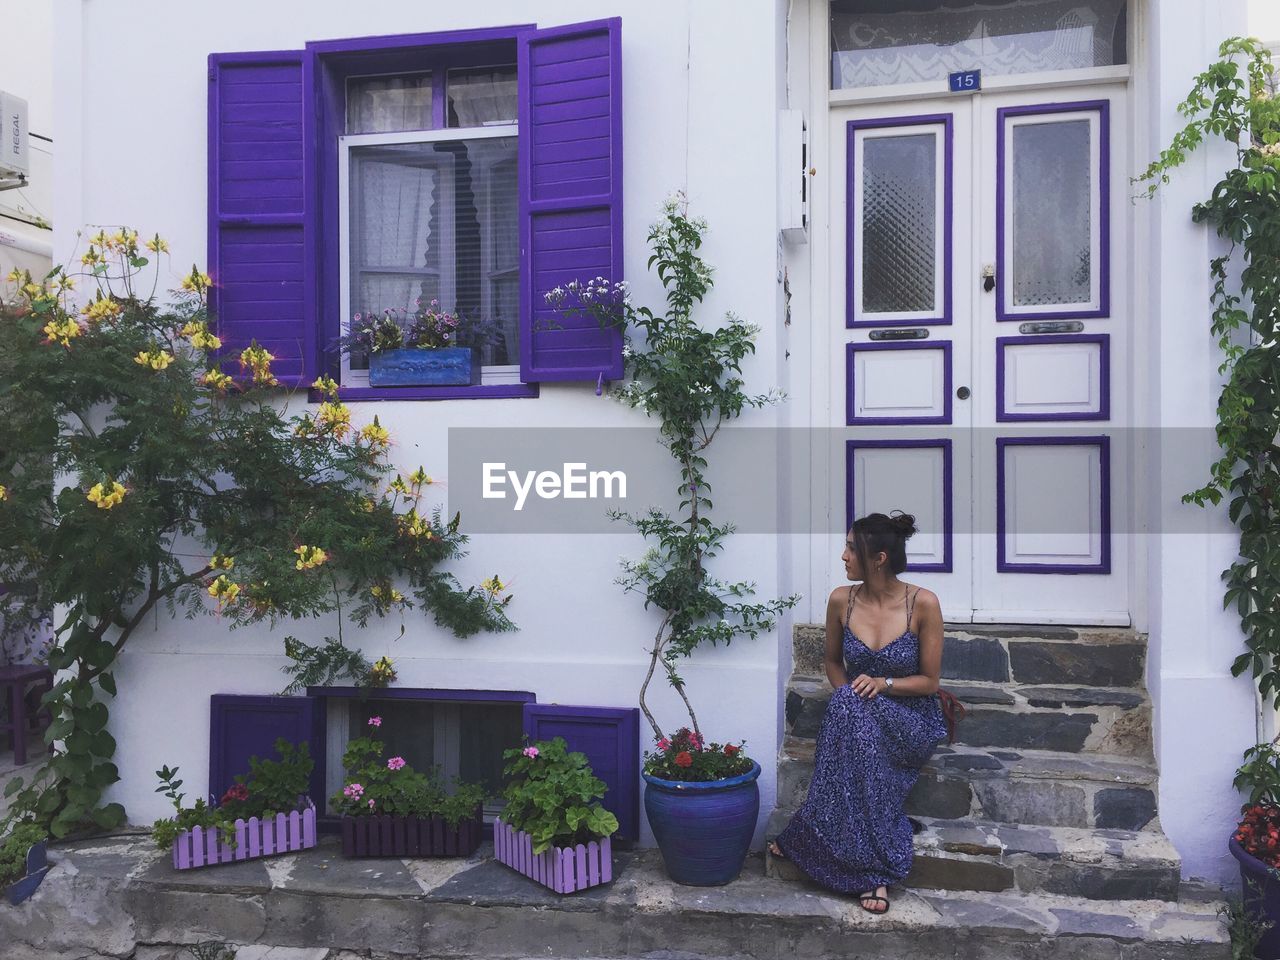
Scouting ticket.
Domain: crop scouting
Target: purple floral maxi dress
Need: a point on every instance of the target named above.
(851, 834)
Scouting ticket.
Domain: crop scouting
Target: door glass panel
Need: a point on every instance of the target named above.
(1052, 240)
(899, 223)
(875, 42)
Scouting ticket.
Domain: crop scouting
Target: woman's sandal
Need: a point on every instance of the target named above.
(873, 898)
(773, 845)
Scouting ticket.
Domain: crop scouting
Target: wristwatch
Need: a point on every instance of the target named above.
(888, 683)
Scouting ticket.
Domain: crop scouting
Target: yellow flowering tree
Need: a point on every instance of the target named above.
(144, 466)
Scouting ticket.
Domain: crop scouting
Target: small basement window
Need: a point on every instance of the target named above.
(463, 737)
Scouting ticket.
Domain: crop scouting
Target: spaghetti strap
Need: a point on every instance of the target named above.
(911, 606)
(848, 610)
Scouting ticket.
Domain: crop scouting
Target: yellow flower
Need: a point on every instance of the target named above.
(257, 360)
(224, 590)
(200, 337)
(420, 478)
(106, 497)
(196, 282)
(100, 238)
(32, 289)
(493, 586)
(61, 331)
(375, 434)
(383, 671)
(216, 379)
(17, 276)
(4, 492)
(155, 359)
(367, 505)
(336, 416)
(326, 385)
(399, 486)
(65, 282)
(416, 526)
(157, 245)
(221, 562)
(103, 308)
(309, 557)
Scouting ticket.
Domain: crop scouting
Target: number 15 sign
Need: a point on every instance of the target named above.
(966, 81)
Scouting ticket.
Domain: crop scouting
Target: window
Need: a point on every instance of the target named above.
(432, 214)
(876, 42)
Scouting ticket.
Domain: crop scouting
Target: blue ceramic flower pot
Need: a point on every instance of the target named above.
(703, 829)
(1261, 890)
(411, 367)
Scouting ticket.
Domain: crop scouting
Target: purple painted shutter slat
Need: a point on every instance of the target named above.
(610, 738)
(261, 216)
(570, 81)
(244, 726)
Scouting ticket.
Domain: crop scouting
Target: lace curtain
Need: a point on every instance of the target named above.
(389, 104)
(480, 97)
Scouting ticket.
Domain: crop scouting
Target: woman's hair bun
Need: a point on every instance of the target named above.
(904, 524)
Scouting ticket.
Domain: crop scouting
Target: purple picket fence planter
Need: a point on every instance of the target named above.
(563, 869)
(283, 833)
(395, 836)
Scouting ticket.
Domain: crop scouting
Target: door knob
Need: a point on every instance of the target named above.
(989, 277)
(963, 393)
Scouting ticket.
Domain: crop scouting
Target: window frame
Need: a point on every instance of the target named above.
(333, 63)
(494, 375)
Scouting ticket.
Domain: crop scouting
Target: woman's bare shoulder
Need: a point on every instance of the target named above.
(926, 601)
(839, 597)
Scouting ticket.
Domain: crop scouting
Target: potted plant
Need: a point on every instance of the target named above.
(552, 830)
(390, 810)
(263, 813)
(23, 862)
(1255, 843)
(689, 378)
(430, 347)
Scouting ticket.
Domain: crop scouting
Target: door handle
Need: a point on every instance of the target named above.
(962, 393)
(989, 277)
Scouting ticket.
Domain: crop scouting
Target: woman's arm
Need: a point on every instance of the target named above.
(833, 653)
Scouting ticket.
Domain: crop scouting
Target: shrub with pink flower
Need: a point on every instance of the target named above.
(530, 751)
(395, 763)
(375, 721)
(353, 791)
(686, 756)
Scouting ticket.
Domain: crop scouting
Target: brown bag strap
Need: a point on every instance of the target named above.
(953, 712)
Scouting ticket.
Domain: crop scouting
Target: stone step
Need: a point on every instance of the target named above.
(1003, 653)
(1065, 719)
(119, 897)
(978, 855)
(1030, 787)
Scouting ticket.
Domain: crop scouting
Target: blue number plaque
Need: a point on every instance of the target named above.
(966, 81)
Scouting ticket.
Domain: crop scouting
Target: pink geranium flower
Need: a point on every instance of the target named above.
(530, 751)
(664, 743)
(395, 763)
(353, 791)
(375, 721)
(371, 803)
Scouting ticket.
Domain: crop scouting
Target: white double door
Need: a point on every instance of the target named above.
(979, 344)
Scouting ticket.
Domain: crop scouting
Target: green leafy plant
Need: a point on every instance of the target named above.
(553, 796)
(13, 850)
(1230, 100)
(690, 380)
(1244, 928)
(1259, 774)
(375, 785)
(126, 449)
(686, 756)
(270, 787)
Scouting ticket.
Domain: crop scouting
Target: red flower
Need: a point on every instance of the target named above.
(236, 792)
(730, 749)
(684, 759)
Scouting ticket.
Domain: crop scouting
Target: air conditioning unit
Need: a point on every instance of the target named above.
(15, 166)
(793, 188)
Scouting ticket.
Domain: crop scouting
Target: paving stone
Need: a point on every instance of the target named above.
(1124, 808)
(808, 650)
(953, 873)
(498, 884)
(972, 761)
(1129, 735)
(1036, 841)
(1039, 631)
(1087, 664)
(969, 693)
(1077, 922)
(1081, 697)
(944, 799)
(975, 658)
(262, 952)
(1031, 731)
(1046, 802)
(1111, 882)
(1006, 755)
(805, 713)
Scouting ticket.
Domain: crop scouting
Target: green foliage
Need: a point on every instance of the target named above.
(552, 796)
(323, 666)
(212, 950)
(126, 451)
(377, 786)
(690, 380)
(1259, 775)
(1230, 100)
(13, 851)
(270, 787)
(1244, 928)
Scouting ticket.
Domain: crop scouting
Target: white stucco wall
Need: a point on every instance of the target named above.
(1204, 718)
(699, 115)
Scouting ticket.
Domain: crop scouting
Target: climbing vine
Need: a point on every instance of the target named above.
(137, 475)
(689, 379)
(1234, 99)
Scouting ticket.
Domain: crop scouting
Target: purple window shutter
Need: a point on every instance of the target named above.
(570, 81)
(610, 738)
(241, 727)
(261, 208)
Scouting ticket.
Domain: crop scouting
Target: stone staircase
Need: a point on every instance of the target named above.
(1050, 788)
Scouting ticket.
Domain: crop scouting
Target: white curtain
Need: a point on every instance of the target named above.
(389, 104)
(479, 97)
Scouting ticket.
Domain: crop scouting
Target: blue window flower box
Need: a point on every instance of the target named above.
(412, 367)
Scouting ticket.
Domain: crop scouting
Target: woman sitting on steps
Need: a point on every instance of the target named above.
(880, 727)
